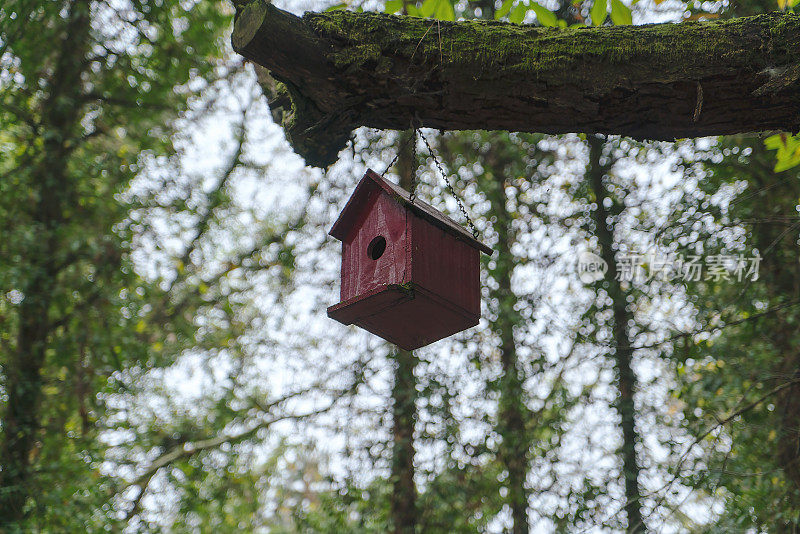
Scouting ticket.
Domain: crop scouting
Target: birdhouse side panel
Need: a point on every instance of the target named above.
(445, 265)
(376, 252)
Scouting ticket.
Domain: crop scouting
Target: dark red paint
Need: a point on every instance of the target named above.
(424, 286)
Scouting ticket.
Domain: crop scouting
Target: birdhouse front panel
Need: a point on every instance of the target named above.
(376, 251)
(410, 274)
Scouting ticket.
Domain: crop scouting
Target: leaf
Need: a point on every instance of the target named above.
(544, 15)
(774, 142)
(517, 14)
(788, 150)
(620, 13)
(504, 9)
(599, 12)
(438, 9)
(445, 11)
(393, 6)
(337, 7)
(428, 7)
(788, 161)
(782, 4)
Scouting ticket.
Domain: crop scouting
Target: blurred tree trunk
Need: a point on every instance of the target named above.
(60, 118)
(622, 353)
(780, 273)
(512, 412)
(404, 393)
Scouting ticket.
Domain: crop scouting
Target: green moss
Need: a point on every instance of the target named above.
(310, 131)
(370, 61)
(407, 287)
(493, 48)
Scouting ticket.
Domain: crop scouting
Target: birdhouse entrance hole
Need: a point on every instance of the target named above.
(376, 247)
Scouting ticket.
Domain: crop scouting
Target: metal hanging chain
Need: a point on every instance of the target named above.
(413, 140)
(412, 195)
(394, 160)
(397, 155)
(414, 182)
(450, 186)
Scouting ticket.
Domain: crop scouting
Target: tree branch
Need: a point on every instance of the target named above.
(341, 70)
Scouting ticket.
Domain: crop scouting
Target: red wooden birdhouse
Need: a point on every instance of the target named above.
(410, 274)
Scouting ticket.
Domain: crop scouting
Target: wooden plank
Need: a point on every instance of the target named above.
(445, 265)
(360, 273)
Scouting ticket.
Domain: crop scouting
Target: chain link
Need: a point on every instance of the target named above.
(414, 182)
(397, 155)
(450, 186)
(413, 140)
(412, 195)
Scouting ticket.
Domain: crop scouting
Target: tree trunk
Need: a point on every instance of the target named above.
(512, 412)
(626, 378)
(404, 395)
(21, 420)
(341, 70)
(779, 274)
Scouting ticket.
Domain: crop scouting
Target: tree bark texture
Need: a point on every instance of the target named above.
(341, 70)
(625, 376)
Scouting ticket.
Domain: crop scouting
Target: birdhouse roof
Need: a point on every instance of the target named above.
(372, 182)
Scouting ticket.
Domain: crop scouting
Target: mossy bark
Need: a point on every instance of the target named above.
(341, 70)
